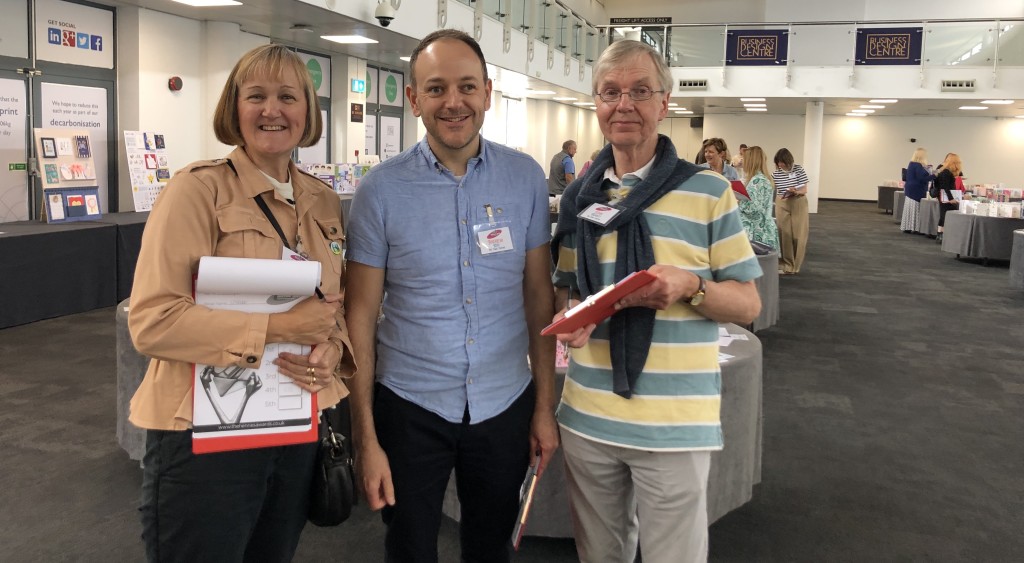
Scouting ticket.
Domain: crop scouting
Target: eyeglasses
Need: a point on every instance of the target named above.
(643, 93)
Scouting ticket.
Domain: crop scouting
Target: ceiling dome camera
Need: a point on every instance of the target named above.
(384, 13)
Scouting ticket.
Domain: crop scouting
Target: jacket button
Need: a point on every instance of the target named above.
(251, 359)
(334, 230)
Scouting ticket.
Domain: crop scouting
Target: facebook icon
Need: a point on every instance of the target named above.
(97, 42)
(83, 40)
(53, 36)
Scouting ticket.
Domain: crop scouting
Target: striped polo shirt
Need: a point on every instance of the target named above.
(676, 400)
(792, 179)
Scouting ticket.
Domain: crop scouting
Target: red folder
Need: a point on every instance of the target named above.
(599, 306)
(740, 190)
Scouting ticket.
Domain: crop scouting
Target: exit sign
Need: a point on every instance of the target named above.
(358, 86)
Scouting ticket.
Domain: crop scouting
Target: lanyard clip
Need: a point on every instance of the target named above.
(490, 213)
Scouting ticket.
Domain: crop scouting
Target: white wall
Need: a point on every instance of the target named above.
(552, 123)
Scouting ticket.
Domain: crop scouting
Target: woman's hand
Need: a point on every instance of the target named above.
(314, 371)
(310, 322)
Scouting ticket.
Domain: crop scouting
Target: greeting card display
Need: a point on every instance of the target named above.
(68, 175)
(148, 171)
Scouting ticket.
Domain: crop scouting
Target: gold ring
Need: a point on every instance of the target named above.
(311, 372)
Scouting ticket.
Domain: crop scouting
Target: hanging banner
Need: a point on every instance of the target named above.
(13, 169)
(756, 47)
(79, 107)
(75, 34)
(320, 71)
(889, 46)
(392, 88)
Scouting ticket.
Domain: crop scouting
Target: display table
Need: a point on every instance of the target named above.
(885, 198)
(768, 290)
(1017, 260)
(928, 217)
(129, 242)
(54, 270)
(975, 236)
(734, 470)
(897, 205)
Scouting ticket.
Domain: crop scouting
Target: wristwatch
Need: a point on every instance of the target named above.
(698, 297)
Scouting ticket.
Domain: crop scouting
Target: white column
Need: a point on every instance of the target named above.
(813, 122)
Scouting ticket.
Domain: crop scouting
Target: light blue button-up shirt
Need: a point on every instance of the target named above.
(454, 328)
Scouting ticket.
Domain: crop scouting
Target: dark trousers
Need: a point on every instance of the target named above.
(489, 459)
(943, 209)
(249, 505)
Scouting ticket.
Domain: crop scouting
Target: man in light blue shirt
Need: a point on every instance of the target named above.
(451, 236)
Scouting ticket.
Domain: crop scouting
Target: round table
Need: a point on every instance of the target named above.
(979, 236)
(734, 470)
(768, 290)
(1017, 260)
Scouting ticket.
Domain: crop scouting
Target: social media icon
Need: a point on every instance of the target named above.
(97, 42)
(83, 40)
(53, 36)
(67, 38)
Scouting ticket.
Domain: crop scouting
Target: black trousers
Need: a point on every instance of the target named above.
(943, 209)
(249, 505)
(489, 459)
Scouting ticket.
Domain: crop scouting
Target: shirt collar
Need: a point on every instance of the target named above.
(636, 177)
(424, 148)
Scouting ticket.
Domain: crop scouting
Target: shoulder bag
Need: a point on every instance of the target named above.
(332, 491)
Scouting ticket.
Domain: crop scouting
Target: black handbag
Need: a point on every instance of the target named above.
(332, 492)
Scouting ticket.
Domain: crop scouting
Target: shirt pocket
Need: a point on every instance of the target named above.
(510, 262)
(332, 239)
(246, 235)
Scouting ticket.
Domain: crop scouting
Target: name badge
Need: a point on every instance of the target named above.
(493, 240)
(599, 213)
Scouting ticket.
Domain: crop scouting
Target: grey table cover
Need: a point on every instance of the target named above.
(928, 217)
(1017, 260)
(768, 289)
(897, 205)
(976, 236)
(734, 470)
(885, 199)
(131, 367)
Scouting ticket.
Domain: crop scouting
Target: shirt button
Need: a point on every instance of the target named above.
(250, 359)
(465, 263)
(463, 221)
(469, 300)
(470, 381)
(470, 341)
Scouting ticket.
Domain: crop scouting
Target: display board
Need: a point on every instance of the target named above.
(13, 172)
(147, 166)
(390, 136)
(68, 173)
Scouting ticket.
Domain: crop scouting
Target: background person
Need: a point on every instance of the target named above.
(915, 187)
(791, 213)
(586, 165)
(562, 170)
(453, 387)
(737, 160)
(639, 410)
(716, 154)
(945, 181)
(248, 505)
(756, 214)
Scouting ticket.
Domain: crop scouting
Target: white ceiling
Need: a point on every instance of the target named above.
(276, 18)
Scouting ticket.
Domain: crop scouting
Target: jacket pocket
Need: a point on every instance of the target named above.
(246, 235)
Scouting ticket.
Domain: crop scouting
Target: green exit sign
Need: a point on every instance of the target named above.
(16, 166)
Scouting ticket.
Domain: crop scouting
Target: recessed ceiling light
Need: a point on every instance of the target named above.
(973, 107)
(673, 105)
(583, 104)
(872, 107)
(751, 99)
(540, 92)
(857, 114)
(882, 101)
(683, 112)
(348, 39)
(757, 109)
(862, 111)
(562, 99)
(406, 59)
(755, 105)
(998, 102)
(208, 3)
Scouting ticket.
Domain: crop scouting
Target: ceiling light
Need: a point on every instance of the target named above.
(540, 92)
(872, 107)
(348, 39)
(683, 112)
(757, 109)
(406, 59)
(862, 111)
(998, 102)
(583, 104)
(751, 99)
(673, 105)
(208, 3)
(857, 114)
(882, 101)
(564, 99)
(973, 107)
(755, 105)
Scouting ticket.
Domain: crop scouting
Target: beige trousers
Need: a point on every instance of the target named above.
(621, 496)
(794, 227)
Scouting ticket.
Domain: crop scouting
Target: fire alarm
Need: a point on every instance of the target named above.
(174, 83)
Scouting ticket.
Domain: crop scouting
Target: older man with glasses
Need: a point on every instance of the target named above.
(640, 408)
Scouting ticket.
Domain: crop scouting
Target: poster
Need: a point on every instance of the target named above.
(316, 154)
(13, 181)
(391, 89)
(82, 108)
(371, 85)
(371, 135)
(14, 30)
(319, 71)
(148, 170)
(390, 136)
(74, 34)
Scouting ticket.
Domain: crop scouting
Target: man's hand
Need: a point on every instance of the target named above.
(543, 437)
(577, 338)
(671, 285)
(375, 474)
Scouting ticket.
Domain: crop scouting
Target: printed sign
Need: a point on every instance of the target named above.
(392, 88)
(75, 34)
(13, 179)
(320, 71)
(641, 21)
(756, 47)
(889, 46)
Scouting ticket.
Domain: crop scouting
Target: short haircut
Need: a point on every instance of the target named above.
(623, 50)
(445, 34)
(567, 144)
(784, 157)
(744, 146)
(718, 143)
(267, 61)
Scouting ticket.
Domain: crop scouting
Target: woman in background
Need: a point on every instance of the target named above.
(790, 211)
(717, 153)
(915, 187)
(945, 181)
(756, 213)
(586, 165)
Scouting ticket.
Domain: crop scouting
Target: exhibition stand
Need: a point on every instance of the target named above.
(978, 236)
